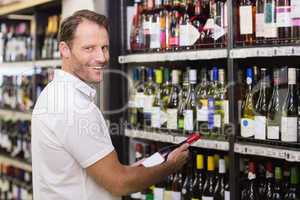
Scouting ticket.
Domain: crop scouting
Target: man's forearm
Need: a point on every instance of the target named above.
(138, 178)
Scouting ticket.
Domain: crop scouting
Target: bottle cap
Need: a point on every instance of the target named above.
(166, 74)
(292, 76)
(150, 72)
(200, 160)
(175, 76)
(210, 163)
(136, 74)
(222, 166)
(158, 76)
(215, 74)
(278, 173)
(193, 76)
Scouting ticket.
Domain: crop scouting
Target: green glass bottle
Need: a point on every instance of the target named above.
(149, 93)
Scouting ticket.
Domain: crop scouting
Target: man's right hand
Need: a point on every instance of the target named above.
(179, 156)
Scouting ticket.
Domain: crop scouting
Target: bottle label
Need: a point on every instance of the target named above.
(183, 32)
(207, 198)
(188, 120)
(283, 16)
(202, 113)
(155, 35)
(217, 120)
(174, 41)
(189, 34)
(270, 29)
(295, 9)
(172, 119)
(246, 23)
(260, 127)
(176, 195)
(247, 127)
(260, 22)
(137, 195)
(273, 132)
(148, 102)
(226, 111)
(146, 27)
(168, 195)
(218, 32)
(227, 195)
(158, 193)
(155, 117)
(163, 38)
(289, 129)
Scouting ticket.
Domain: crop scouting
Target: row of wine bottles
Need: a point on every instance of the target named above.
(167, 25)
(266, 180)
(172, 25)
(204, 177)
(15, 183)
(17, 42)
(272, 112)
(15, 137)
(268, 22)
(19, 92)
(182, 103)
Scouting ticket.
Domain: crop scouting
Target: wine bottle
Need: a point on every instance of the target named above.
(222, 182)
(188, 183)
(166, 87)
(293, 191)
(270, 28)
(277, 194)
(140, 97)
(261, 108)
(190, 106)
(182, 101)
(252, 193)
(198, 184)
(158, 114)
(283, 20)
(269, 185)
(172, 108)
(202, 106)
(208, 192)
(260, 21)
(289, 119)
(247, 121)
(177, 186)
(247, 21)
(274, 111)
(295, 10)
(132, 108)
(149, 98)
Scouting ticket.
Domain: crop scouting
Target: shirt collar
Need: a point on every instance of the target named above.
(61, 75)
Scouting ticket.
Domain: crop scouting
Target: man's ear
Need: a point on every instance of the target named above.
(64, 50)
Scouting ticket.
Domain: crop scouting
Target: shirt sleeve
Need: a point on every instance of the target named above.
(85, 136)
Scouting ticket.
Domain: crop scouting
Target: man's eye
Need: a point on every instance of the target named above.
(89, 48)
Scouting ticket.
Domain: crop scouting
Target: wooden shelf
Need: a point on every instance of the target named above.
(18, 6)
(15, 162)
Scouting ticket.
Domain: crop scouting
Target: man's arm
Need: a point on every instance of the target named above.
(121, 180)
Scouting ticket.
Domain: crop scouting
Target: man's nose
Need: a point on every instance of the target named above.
(100, 56)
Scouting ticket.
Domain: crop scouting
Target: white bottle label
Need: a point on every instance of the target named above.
(270, 27)
(260, 22)
(218, 32)
(260, 127)
(227, 195)
(207, 198)
(137, 195)
(172, 119)
(295, 10)
(273, 132)
(183, 35)
(289, 129)
(168, 195)
(247, 127)
(155, 35)
(155, 117)
(139, 100)
(217, 120)
(148, 102)
(246, 24)
(283, 16)
(158, 193)
(176, 196)
(202, 114)
(188, 120)
(226, 111)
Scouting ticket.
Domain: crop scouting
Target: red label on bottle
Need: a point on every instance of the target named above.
(174, 41)
(296, 22)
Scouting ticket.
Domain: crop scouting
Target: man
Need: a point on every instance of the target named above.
(72, 154)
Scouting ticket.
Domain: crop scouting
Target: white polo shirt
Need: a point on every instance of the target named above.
(69, 134)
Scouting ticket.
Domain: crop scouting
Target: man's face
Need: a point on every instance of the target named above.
(89, 51)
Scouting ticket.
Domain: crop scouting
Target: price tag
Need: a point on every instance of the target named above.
(297, 51)
(281, 154)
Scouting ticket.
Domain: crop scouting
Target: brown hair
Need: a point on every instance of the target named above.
(70, 24)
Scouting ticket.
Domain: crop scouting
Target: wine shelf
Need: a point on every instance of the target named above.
(17, 115)
(174, 56)
(18, 6)
(285, 153)
(15, 162)
(170, 138)
(28, 64)
(265, 52)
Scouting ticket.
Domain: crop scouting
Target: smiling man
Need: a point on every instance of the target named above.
(72, 153)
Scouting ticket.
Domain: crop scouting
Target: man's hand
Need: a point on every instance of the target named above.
(179, 156)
